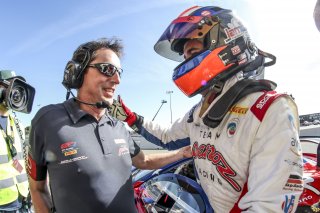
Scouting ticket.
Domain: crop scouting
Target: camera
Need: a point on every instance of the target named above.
(16, 94)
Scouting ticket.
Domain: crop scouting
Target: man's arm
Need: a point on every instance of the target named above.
(156, 161)
(170, 137)
(40, 196)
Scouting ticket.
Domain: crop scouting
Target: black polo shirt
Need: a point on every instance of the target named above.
(89, 162)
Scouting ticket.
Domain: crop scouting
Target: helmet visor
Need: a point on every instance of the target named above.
(182, 28)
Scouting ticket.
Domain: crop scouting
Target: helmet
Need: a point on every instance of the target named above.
(227, 47)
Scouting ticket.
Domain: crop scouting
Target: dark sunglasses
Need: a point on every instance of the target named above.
(107, 69)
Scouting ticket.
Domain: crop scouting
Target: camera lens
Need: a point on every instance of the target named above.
(18, 97)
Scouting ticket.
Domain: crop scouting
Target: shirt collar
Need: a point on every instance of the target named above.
(75, 113)
(73, 109)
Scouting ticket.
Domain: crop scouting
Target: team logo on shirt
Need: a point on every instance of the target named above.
(69, 148)
(232, 127)
(209, 152)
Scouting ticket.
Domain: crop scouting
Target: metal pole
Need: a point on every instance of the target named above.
(162, 102)
(170, 92)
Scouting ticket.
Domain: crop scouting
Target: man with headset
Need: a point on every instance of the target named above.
(244, 135)
(87, 153)
(14, 188)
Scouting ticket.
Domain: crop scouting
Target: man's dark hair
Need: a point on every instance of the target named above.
(113, 44)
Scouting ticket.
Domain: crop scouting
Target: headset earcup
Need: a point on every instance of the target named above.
(72, 76)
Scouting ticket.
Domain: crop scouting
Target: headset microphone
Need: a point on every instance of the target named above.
(102, 104)
(99, 105)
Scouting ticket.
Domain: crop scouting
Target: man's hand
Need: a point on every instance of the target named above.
(120, 111)
(186, 152)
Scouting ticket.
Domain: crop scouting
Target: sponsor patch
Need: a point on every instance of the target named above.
(119, 141)
(123, 150)
(74, 159)
(296, 146)
(293, 163)
(262, 104)
(36, 172)
(233, 31)
(287, 205)
(232, 127)
(69, 148)
(294, 183)
(31, 168)
(238, 110)
(235, 50)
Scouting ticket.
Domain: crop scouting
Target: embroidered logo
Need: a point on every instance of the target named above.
(232, 127)
(238, 110)
(69, 148)
(294, 183)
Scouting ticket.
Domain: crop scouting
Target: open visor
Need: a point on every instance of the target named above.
(181, 29)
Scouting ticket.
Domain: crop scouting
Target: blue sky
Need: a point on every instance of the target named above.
(37, 39)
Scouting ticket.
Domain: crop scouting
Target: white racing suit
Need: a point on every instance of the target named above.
(251, 162)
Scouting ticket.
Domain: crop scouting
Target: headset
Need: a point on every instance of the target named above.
(73, 72)
(73, 77)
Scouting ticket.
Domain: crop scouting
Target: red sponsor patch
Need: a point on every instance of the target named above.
(261, 106)
(67, 145)
(32, 168)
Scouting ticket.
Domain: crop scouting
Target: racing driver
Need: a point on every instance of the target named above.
(243, 134)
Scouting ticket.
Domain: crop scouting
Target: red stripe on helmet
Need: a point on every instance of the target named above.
(187, 10)
(189, 19)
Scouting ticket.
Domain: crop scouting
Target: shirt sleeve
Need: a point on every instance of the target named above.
(276, 169)
(37, 168)
(133, 146)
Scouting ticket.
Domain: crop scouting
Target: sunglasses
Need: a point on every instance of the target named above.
(107, 69)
